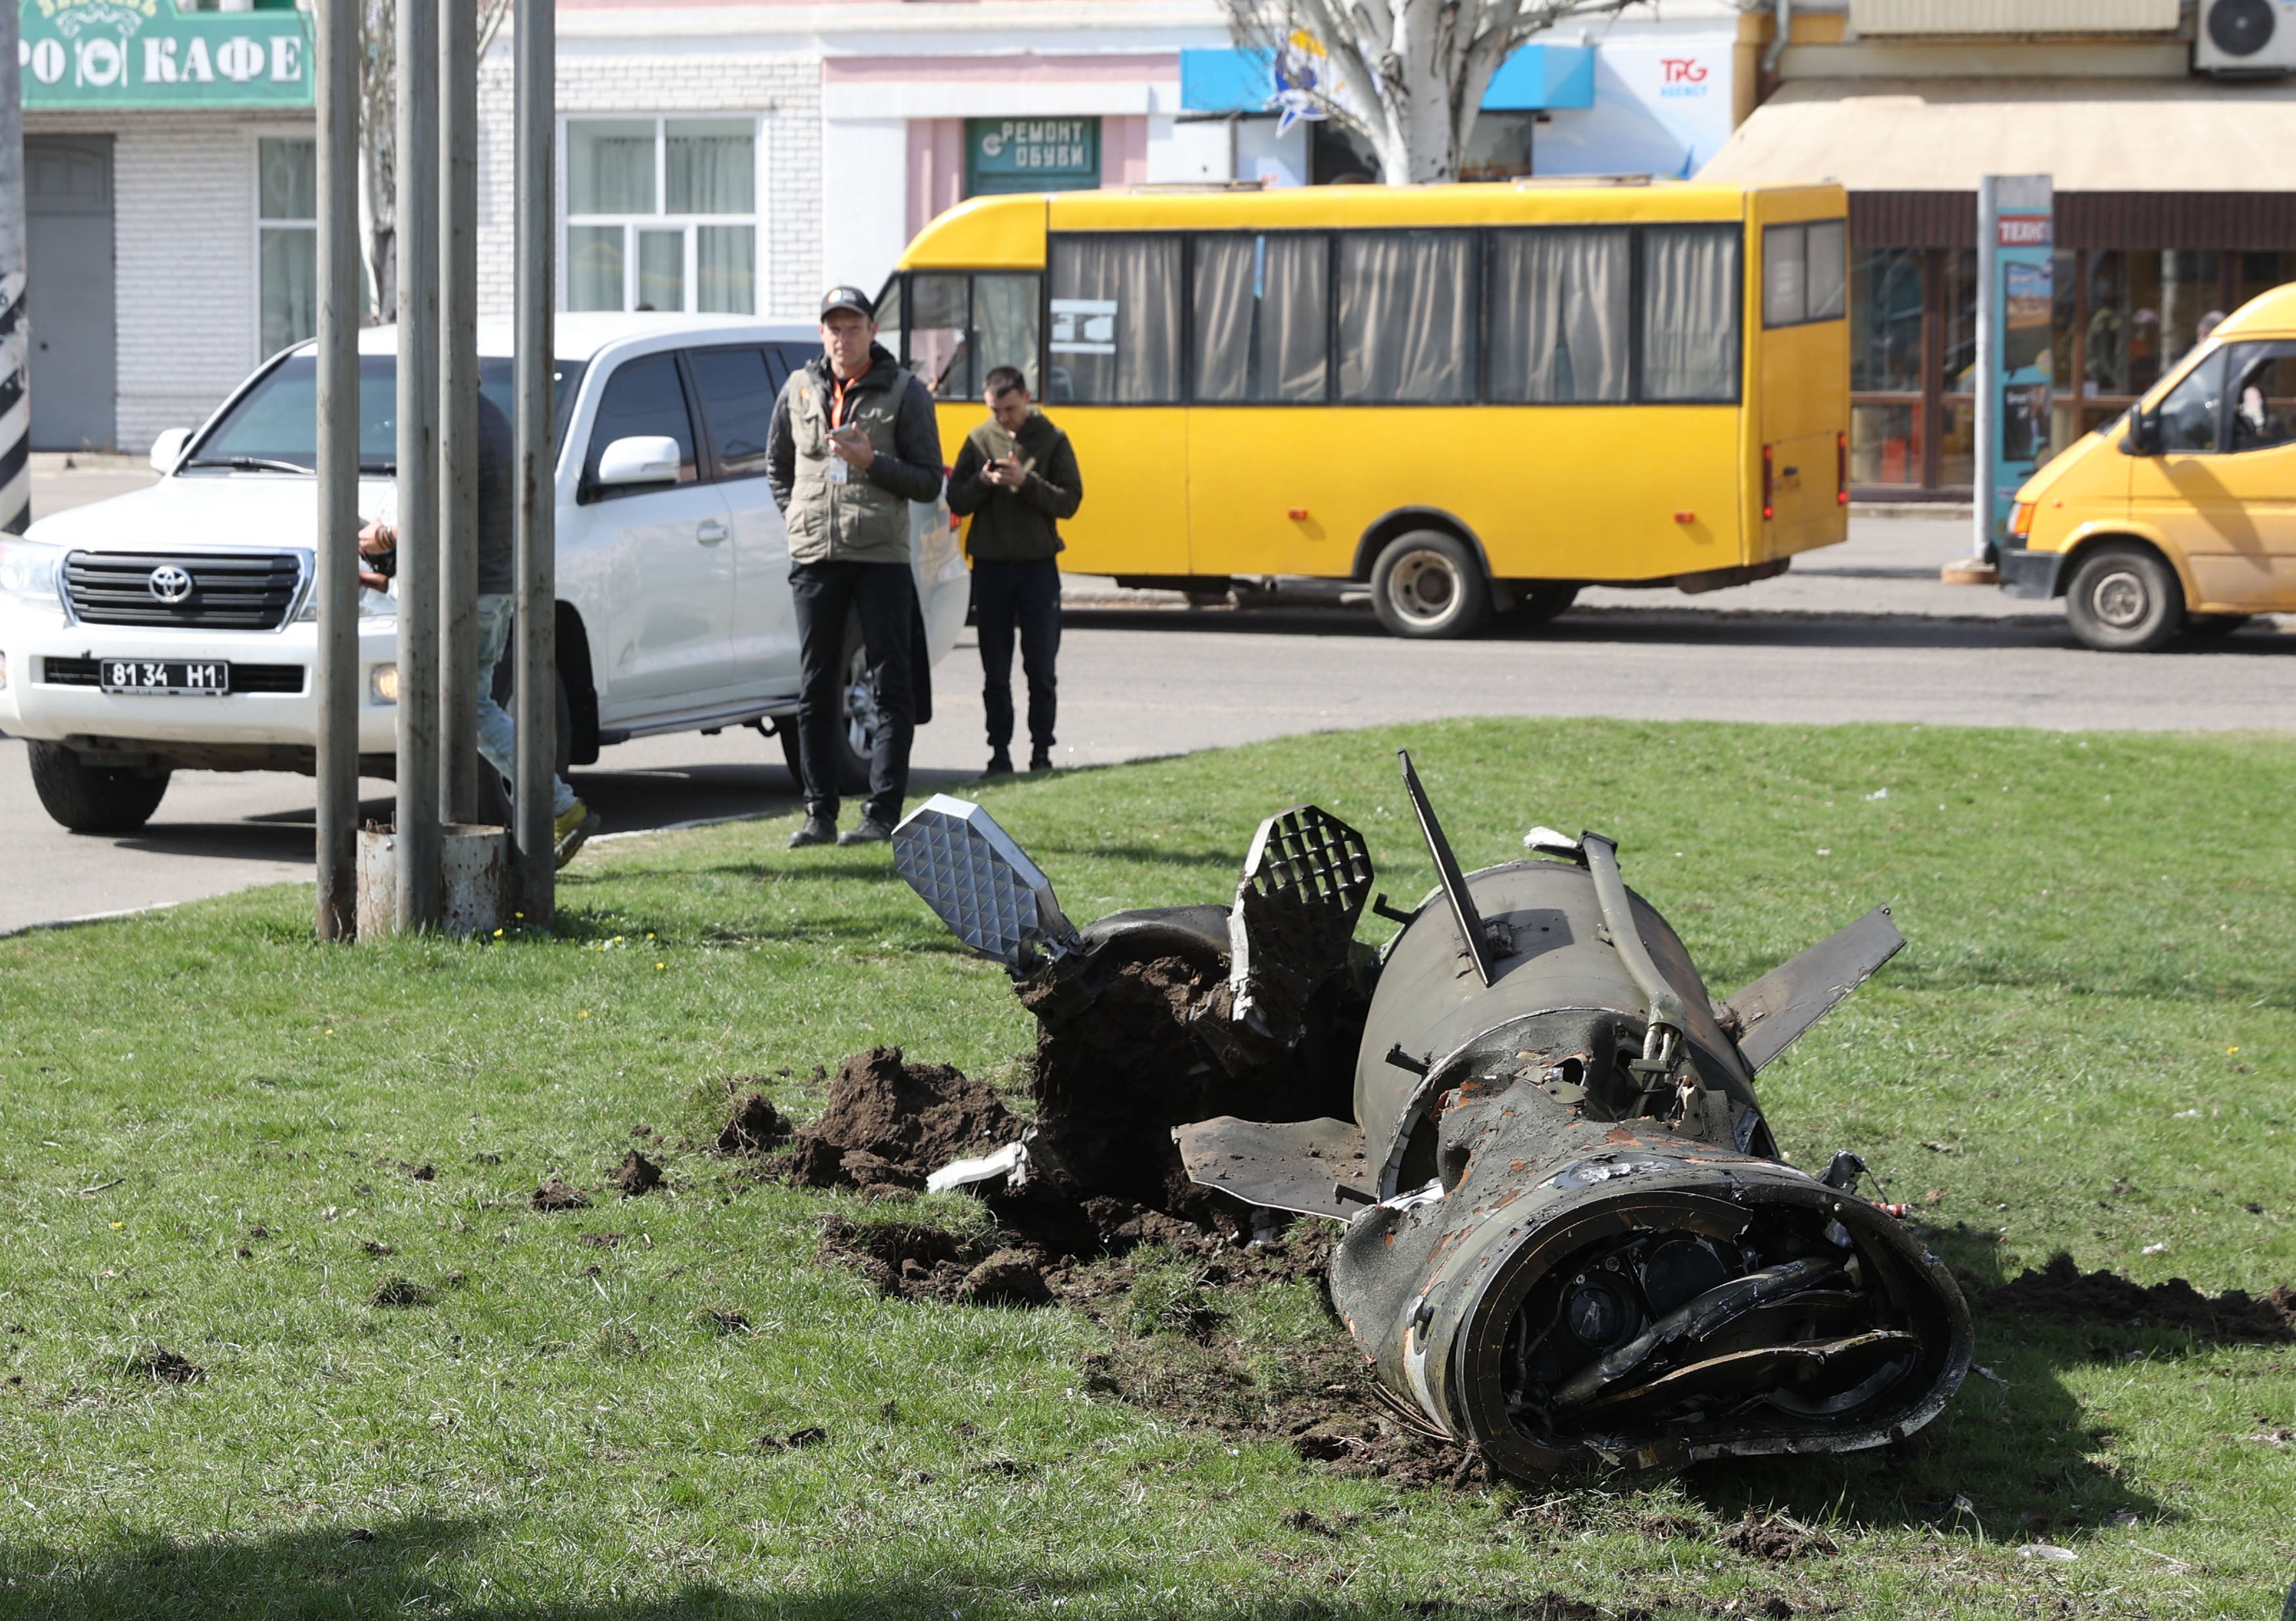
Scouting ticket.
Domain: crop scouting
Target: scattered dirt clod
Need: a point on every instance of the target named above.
(554, 1194)
(1776, 1539)
(398, 1292)
(1009, 1277)
(172, 1367)
(754, 1126)
(2061, 1290)
(724, 1321)
(893, 1122)
(639, 1175)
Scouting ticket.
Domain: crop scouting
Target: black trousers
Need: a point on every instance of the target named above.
(1024, 597)
(883, 596)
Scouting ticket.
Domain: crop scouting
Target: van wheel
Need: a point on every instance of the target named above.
(94, 799)
(1543, 603)
(2211, 626)
(856, 729)
(2125, 599)
(1429, 585)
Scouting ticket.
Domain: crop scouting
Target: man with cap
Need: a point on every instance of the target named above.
(853, 442)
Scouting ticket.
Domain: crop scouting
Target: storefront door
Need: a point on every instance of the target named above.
(70, 290)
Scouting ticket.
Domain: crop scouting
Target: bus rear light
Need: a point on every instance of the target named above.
(1841, 470)
(1769, 483)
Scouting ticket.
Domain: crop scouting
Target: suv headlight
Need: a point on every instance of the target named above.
(30, 571)
(372, 605)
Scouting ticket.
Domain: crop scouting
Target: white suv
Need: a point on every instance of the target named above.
(176, 626)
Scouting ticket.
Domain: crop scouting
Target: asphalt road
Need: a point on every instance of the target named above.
(1864, 632)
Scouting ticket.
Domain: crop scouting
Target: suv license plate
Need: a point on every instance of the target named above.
(204, 679)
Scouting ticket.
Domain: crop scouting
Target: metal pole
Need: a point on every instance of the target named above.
(458, 395)
(15, 377)
(339, 468)
(418, 449)
(1988, 366)
(536, 481)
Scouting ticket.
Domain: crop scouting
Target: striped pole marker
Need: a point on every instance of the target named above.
(15, 390)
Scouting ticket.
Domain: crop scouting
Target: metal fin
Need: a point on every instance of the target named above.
(1304, 881)
(1447, 867)
(1316, 1168)
(982, 885)
(1795, 995)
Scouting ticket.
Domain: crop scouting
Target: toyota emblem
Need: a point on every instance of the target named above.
(170, 583)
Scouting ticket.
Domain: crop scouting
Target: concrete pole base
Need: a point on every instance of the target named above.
(473, 881)
(1969, 571)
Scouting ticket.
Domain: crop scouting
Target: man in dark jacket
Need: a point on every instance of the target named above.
(853, 441)
(1016, 479)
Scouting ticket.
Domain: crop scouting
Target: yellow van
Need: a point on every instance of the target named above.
(2180, 516)
(1474, 398)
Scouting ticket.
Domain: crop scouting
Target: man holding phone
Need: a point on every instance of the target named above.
(1016, 479)
(852, 442)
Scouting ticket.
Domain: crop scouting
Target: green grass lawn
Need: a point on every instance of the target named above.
(207, 1126)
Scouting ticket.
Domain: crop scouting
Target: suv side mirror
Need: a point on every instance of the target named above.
(2144, 436)
(168, 449)
(640, 459)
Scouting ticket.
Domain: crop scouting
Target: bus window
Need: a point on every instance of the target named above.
(1115, 309)
(1557, 305)
(1689, 348)
(936, 334)
(1262, 309)
(1804, 273)
(1005, 322)
(1407, 325)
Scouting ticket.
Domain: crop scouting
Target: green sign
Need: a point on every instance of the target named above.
(1031, 155)
(145, 53)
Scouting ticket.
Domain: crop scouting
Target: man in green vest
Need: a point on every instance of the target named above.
(853, 441)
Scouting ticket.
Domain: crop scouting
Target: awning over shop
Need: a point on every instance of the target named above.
(1940, 135)
(1537, 78)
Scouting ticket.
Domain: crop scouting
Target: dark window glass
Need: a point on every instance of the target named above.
(1262, 312)
(1115, 305)
(1828, 244)
(278, 419)
(2190, 411)
(1885, 322)
(1006, 326)
(1556, 312)
(936, 334)
(642, 398)
(783, 358)
(1406, 317)
(1803, 268)
(1689, 313)
(891, 318)
(2263, 395)
(737, 391)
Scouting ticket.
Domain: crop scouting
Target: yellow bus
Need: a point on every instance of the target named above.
(1476, 399)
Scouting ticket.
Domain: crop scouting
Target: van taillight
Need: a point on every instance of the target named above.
(1769, 483)
(1841, 470)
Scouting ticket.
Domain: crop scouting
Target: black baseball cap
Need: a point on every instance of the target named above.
(848, 298)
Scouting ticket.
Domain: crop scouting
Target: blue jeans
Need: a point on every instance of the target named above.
(497, 732)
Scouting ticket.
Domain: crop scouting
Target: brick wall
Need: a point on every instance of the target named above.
(785, 89)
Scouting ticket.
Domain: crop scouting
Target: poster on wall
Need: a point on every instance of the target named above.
(1659, 106)
(2023, 247)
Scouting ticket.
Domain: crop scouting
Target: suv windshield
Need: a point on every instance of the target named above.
(274, 425)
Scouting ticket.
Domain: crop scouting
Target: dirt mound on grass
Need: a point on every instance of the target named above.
(753, 1127)
(2061, 1289)
(891, 1123)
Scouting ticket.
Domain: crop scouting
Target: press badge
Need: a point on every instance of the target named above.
(839, 472)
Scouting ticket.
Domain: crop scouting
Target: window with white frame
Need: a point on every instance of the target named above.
(662, 214)
(287, 239)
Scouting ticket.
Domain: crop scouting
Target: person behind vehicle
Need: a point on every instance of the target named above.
(852, 443)
(573, 822)
(1016, 479)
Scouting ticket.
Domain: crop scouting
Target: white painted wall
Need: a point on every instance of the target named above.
(865, 191)
(1196, 151)
(1262, 154)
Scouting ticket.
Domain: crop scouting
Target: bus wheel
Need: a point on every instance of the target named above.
(2125, 599)
(1428, 584)
(1543, 603)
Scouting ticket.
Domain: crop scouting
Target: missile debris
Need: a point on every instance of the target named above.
(1570, 1239)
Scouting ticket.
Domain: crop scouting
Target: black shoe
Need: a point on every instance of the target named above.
(872, 829)
(1040, 761)
(817, 829)
(1000, 765)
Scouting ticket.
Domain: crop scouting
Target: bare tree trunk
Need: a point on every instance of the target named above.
(1407, 75)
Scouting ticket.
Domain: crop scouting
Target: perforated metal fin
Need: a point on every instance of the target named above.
(1304, 885)
(980, 883)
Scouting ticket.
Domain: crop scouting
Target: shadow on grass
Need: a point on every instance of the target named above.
(2013, 1458)
(395, 1567)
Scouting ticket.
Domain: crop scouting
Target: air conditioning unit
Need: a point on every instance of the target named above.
(2245, 36)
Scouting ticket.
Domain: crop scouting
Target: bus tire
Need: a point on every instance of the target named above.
(1429, 585)
(2125, 599)
(93, 798)
(1542, 603)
